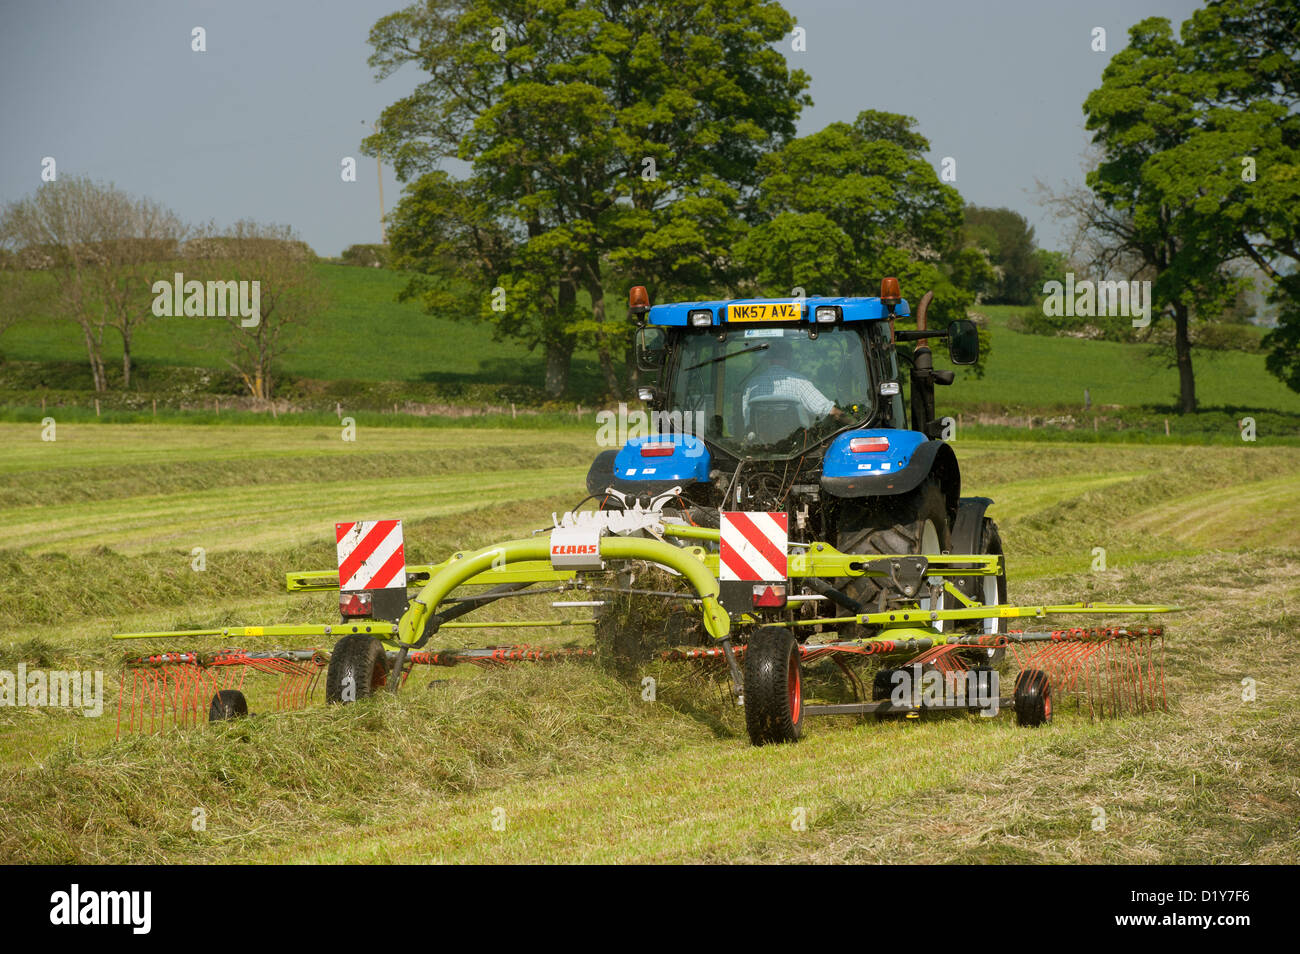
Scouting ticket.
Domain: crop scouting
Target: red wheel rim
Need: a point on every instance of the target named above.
(792, 684)
(1047, 704)
(379, 676)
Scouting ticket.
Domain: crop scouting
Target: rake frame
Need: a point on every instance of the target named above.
(907, 630)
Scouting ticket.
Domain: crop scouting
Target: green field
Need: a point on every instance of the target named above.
(101, 528)
(363, 334)
(1042, 372)
(366, 336)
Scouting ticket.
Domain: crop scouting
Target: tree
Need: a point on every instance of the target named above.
(104, 249)
(1237, 170)
(855, 202)
(1147, 105)
(287, 292)
(1051, 266)
(603, 136)
(1009, 241)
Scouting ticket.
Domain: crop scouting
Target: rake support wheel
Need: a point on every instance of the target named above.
(1033, 698)
(227, 704)
(358, 667)
(773, 687)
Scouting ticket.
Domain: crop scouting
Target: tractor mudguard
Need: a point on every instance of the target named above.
(968, 528)
(647, 466)
(601, 474)
(930, 457)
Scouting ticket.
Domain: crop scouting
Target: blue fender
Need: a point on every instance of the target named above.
(909, 460)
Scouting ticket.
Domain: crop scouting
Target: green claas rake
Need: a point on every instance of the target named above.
(761, 634)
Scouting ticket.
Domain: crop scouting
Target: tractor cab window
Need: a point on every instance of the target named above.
(773, 392)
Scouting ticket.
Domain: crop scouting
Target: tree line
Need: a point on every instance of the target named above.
(99, 257)
(609, 142)
(604, 143)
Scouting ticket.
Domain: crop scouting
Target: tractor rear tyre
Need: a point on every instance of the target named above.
(773, 687)
(991, 591)
(915, 522)
(227, 704)
(1033, 698)
(358, 667)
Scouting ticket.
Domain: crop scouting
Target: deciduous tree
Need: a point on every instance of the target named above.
(604, 138)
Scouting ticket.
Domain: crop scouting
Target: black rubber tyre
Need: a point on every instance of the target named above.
(984, 685)
(988, 589)
(1033, 698)
(882, 686)
(915, 522)
(358, 667)
(227, 704)
(773, 687)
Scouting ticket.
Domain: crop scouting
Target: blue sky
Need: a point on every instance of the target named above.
(257, 126)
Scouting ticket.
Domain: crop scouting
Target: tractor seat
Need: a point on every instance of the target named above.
(773, 419)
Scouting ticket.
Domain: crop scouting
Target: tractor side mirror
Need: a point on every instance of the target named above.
(651, 343)
(963, 342)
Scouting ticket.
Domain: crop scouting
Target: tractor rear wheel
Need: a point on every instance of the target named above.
(991, 591)
(773, 686)
(358, 667)
(915, 522)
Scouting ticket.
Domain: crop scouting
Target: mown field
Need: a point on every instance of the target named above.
(569, 761)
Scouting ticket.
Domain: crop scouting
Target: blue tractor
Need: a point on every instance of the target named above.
(799, 406)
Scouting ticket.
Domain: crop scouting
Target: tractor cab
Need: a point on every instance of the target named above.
(784, 405)
(772, 391)
(770, 379)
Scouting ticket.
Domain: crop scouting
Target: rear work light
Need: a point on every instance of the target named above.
(827, 314)
(657, 449)
(700, 318)
(869, 445)
(355, 605)
(769, 595)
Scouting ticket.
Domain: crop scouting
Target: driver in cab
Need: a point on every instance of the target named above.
(777, 381)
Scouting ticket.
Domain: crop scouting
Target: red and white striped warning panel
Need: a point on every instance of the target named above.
(371, 555)
(754, 546)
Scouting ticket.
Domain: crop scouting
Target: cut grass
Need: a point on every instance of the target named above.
(577, 768)
(580, 766)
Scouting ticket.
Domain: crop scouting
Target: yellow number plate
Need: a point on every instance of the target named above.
(766, 311)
